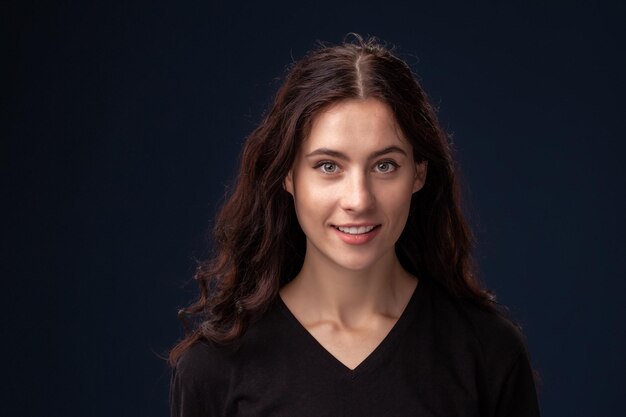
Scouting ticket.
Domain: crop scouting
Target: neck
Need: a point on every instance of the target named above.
(330, 292)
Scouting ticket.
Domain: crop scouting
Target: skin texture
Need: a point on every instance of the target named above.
(351, 290)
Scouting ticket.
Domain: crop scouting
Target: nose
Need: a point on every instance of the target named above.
(357, 195)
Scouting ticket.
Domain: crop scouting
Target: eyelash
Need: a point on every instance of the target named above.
(320, 164)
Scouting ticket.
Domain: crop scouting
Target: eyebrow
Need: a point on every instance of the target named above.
(340, 155)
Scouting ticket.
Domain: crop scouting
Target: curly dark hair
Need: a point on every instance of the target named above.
(259, 245)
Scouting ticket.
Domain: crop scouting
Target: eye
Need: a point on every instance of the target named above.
(327, 167)
(386, 166)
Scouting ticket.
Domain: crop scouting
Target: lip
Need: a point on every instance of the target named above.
(356, 225)
(357, 239)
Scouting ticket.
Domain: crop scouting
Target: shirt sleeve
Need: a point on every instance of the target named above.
(197, 385)
(518, 395)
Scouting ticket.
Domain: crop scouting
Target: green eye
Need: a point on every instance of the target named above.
(386, 166)
(327, 167)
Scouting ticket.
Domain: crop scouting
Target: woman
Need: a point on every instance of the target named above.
(342, 284)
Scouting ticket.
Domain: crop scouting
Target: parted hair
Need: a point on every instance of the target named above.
(258, 243)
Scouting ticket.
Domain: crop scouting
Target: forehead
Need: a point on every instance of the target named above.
(355, 125)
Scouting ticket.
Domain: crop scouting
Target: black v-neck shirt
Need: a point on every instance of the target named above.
(441, 358)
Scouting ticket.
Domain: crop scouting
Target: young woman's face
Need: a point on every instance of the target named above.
(352, 183)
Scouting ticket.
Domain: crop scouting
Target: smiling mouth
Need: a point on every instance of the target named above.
(356, 230)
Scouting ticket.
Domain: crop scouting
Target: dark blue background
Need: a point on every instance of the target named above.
(121, 126)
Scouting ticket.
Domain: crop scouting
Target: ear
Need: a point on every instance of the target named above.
(421, 169)
(288, 182)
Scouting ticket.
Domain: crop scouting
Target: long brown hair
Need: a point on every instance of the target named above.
(259, 243)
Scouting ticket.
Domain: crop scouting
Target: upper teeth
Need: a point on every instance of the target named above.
(356, 230)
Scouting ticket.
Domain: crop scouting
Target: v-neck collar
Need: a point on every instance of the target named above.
(316, 348)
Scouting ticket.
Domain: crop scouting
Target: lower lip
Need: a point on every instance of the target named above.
(357, 239)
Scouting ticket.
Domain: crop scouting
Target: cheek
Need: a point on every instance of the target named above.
(312, 200)
(396, 201)
(396, 194)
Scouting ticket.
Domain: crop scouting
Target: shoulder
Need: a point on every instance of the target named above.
(210, 365)
(493, 331)
(199, 382)
(497, 338)
(504, 374)
(509, 381)
(202, 361)
(206, 373)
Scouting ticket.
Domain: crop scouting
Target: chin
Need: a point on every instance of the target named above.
(356, 263)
